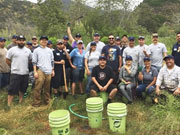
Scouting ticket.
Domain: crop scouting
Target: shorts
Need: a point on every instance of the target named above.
(77, 75)
(58, 79)
(68, 74)
(109, 89)
(18, 83)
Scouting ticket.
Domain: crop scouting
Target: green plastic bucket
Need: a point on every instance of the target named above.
(94, 108)
(104, 96)
(59, 122)
(95, 118)
(117, 117)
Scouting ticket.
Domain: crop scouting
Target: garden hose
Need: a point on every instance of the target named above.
(78, 115)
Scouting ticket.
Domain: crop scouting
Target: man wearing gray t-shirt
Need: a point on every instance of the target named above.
(18, 59)
(157, 52)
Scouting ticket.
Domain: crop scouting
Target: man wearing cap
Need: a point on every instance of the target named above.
(148, 76)
(4, 68)
(60, 54)
(176, 50)
(143, 51)
(14, 39)
(113, 55)
(50, 45)
(18, 59)
(157, 51)
(34, 43)
(73, 40)
(132, 51)
(99, 44)
(43, 65)
(102, 78)
(169, 77)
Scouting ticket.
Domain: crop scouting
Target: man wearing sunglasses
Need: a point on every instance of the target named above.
(113, 55)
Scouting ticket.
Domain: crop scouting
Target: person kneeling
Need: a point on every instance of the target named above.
(102, 78)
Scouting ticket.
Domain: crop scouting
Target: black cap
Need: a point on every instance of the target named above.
(43, 37)
(118, 38)
(78, 35)
(2, 39)
(21, 37)
(96, 35)
(141, 37)
(93, 43)
(128, 57)
(131, 38)
(147, 59)
(168, 57)
(102, 58)
(14, 37)
(49, 42)
(66, 37)
(29, 43)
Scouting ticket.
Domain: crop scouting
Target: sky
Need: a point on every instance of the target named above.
(91, 2)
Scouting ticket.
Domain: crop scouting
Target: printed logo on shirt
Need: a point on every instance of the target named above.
(112, 54)
(175, 49)
(58, 54)
(102, 76)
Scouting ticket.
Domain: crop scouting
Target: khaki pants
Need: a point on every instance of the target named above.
(42, 84)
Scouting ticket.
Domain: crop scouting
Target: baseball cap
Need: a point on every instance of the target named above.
(29, 43)
(21, 37)
(168, 57)
(79, 41)
(118, 38)
(141, 37)
(96, 35)
(66, 37)
(14, 37)
(155, 34)
(2, 39)
(102, 58)
(34, 37)
(49, 42)
(131, 38)
(93, 43)
(60, 42)
(147, 59)
(128, 57)
(78, 35)
(43, 37)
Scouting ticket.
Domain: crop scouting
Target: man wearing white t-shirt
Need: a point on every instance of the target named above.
(99, 44)
(157, 51)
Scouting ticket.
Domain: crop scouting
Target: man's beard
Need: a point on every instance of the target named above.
(20, 45)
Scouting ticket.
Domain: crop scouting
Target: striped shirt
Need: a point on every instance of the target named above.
(169, 80)
(43, 58)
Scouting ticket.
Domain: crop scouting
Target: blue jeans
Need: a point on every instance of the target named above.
(142, 88)
(4, 79)
(88, 82)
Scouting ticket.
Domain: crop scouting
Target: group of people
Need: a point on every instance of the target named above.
(118, 66)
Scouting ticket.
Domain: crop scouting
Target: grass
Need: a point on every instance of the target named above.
(142, 119)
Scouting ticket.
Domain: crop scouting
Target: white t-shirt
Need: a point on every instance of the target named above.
(99, 46)
(92, 58)
(141, 53)
(156, 54)
(19, 60)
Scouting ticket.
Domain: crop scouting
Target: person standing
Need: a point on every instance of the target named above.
(119, 44)
(34, 43)
(43, 65)
(18, 59)
(132, 51)
(78, 67)
(176, 50)
(99, 44)
(102, 78)
(50, 45)
(4, 68)
(143, 51)
(169, 77)
(91, 60)
(60, 54)
(113, 55)
(124, 40)
(157, 51)
(14, 39)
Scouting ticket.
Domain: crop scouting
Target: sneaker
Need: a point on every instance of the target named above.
(65, 95)
(74, 96)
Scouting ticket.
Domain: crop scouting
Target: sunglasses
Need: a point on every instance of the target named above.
(111, 38)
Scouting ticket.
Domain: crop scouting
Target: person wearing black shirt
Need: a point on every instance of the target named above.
(60, 54)
(102, 78)
(176, 50)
